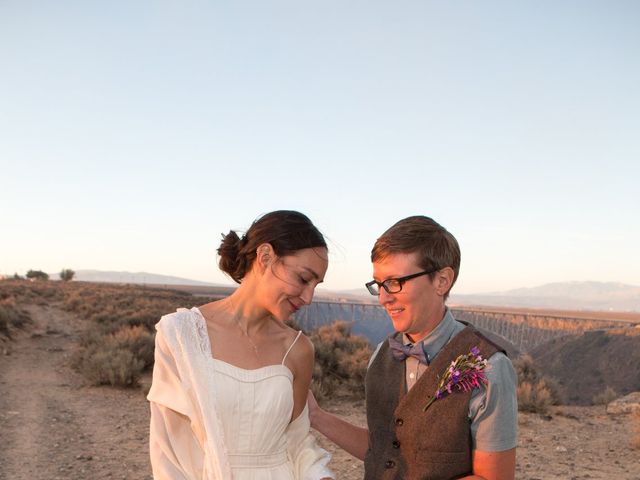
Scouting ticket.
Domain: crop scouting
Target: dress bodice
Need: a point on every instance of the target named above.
(255, 406)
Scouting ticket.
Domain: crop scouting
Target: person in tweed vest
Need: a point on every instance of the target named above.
(468, 433)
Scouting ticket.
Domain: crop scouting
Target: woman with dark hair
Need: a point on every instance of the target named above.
(230, 380)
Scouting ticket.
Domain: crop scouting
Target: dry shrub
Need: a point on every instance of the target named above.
(117, 345)
(606, 396)
(137, 340)
(535, 398)
(535, 393)
(4, 323)
(341, 361)
(124, 305)
(116, 367)
(26, 291)
(116, 359)
(11, 316)
(526, 369)
(321, 390)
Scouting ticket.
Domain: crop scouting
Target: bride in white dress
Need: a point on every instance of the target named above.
(229, 393)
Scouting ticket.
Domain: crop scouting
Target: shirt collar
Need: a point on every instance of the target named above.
(438, 338)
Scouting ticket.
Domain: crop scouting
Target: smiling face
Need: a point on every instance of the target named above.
(419, 307)
(289, 282)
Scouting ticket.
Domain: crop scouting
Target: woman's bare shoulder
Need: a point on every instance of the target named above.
(302, 350)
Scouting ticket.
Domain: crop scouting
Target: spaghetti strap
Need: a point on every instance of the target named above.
(292, 344)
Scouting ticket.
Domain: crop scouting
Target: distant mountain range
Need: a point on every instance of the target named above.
(157, 279)
(135, 277)
(607, 296)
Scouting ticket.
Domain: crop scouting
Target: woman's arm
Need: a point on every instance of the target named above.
(493, 465)
(349, 437)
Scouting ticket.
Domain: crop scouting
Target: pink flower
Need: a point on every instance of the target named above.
(465, 373)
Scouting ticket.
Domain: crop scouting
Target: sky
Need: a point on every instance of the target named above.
(134, 133)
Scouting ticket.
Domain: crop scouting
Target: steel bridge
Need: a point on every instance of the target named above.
(524, 329)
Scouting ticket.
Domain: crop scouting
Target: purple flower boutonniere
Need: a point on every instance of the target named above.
(465, 373)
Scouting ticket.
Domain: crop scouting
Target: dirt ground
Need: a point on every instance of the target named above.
(53, 426)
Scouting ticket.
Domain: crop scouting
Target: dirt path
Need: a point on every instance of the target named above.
(52, 426)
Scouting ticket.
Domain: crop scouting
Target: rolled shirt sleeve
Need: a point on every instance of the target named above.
(493, 410)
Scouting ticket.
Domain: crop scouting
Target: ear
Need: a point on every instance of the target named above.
(443, 280)
(265, 255)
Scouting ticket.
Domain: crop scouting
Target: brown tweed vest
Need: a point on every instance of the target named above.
(406, 443)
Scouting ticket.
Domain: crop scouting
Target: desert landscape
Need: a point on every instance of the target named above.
(55, 425)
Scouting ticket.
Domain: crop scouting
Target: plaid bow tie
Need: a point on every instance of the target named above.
(400, 351)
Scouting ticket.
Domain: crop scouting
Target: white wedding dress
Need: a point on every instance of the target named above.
(213, 420)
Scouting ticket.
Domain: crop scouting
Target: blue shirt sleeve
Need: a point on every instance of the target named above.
(493, 410)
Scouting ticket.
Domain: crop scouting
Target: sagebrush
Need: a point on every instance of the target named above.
(341, 361)
(606, 396)
(535, 393)
(11, 316)
(116, 359)
(117, 344)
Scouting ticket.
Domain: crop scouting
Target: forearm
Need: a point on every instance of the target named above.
(349, 437)
(494, 465)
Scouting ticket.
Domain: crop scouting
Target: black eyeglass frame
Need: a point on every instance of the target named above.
(400, 281)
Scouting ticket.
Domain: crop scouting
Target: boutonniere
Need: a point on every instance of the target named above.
(465, 373)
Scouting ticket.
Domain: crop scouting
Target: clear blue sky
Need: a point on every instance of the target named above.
(132, 133)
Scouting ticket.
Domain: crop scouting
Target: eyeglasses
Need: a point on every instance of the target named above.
(394, 285)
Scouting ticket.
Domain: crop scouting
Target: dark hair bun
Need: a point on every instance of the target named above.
(287, 231)
(231, 261)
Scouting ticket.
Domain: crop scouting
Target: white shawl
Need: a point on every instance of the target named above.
(178, 386)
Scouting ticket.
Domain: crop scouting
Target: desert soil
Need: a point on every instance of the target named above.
(53, 426)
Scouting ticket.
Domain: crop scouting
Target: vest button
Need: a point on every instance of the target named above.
(389, 464)
(399, 422)
(396, 444)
